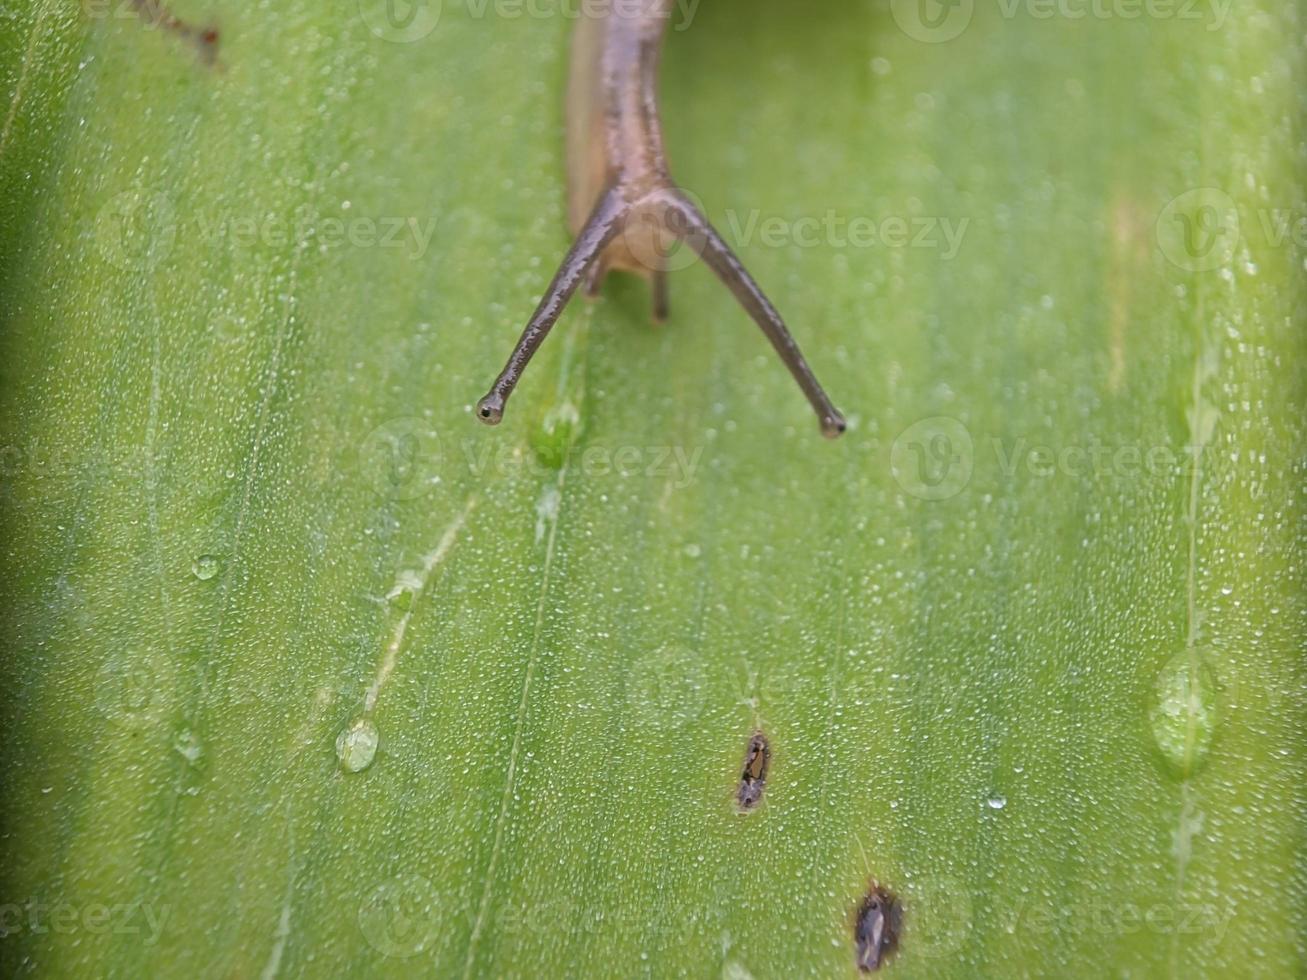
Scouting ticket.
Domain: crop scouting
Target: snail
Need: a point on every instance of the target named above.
(624, 209)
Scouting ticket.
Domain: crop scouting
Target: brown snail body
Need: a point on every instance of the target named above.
(624, 209)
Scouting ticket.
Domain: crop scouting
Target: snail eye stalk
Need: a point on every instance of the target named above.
(618, 176)
(585, 262)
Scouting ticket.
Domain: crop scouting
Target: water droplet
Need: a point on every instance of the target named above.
(552, 439)
(188, 745)
(1184, 713)
(547, 510)
(206, 567)
(996, 802)
(408, 584)
(357, 745)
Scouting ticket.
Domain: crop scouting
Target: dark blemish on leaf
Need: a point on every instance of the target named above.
(753, 778)
(876, 931)
(204, 39)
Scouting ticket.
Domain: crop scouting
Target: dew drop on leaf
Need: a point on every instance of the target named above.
(356, 746)
(1184, 711)
(188, 746)
(206, 567)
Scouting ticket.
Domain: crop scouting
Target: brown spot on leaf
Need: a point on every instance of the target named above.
(757, 757)
(876, 930)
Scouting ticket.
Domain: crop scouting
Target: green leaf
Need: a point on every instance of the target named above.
(309, 673)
